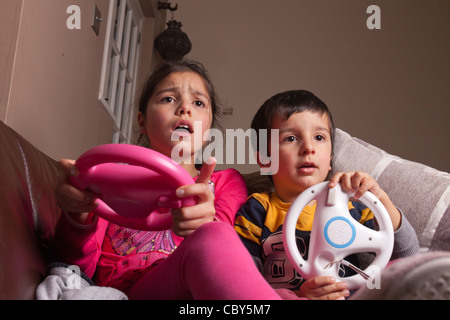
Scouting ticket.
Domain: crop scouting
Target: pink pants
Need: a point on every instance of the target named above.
(210, 264)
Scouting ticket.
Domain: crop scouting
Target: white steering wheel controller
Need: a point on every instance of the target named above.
(336, 234)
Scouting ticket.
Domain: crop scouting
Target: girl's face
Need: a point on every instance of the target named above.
(304, 153)
(179, 108)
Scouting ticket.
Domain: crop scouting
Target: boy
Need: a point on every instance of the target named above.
(306, 136)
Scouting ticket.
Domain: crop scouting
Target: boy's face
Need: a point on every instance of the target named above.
(304, 153)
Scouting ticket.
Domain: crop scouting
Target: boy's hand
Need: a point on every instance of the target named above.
(187, 219)
(324, 288)
(360, 182)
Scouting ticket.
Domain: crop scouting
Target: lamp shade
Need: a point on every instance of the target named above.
(173, 44)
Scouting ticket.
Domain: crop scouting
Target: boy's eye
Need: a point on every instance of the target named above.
(319, 138)
(290, 139)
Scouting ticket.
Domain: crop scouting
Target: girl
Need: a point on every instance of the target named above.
(201, 257)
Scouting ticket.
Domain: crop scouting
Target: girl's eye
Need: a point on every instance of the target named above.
(167, 100)
(199, 103)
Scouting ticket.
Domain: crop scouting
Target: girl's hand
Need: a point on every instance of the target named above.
(360, 182)
(76, 202)
(187, 219)
(324, 288)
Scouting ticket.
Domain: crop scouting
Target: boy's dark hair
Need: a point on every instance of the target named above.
(285, 104)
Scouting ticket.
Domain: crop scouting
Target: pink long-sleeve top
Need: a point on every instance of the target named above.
(116, 256)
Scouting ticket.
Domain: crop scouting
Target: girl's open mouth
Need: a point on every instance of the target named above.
(183, 128)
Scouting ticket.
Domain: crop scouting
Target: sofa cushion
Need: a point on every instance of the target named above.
(421, 192)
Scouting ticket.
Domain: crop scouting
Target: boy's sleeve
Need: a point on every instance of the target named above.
(405, 238)
(249, 224)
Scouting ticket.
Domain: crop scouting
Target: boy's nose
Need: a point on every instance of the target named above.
(307, 148)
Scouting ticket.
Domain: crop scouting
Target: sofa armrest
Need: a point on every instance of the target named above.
(28, 214)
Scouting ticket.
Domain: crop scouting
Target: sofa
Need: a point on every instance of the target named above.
(29, 213)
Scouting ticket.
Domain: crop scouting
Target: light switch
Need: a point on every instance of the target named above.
(96, 20)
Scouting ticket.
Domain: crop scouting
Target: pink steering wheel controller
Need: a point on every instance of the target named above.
(131, 183)
(335, 235)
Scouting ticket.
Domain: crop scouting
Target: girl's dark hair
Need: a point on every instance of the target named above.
(285, 104)
(165, 69)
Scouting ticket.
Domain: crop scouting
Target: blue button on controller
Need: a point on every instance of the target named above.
(339, 232)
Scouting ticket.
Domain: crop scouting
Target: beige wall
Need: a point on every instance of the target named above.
(389, 87)
(9, 21)
(53, 99)
(49, 90)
